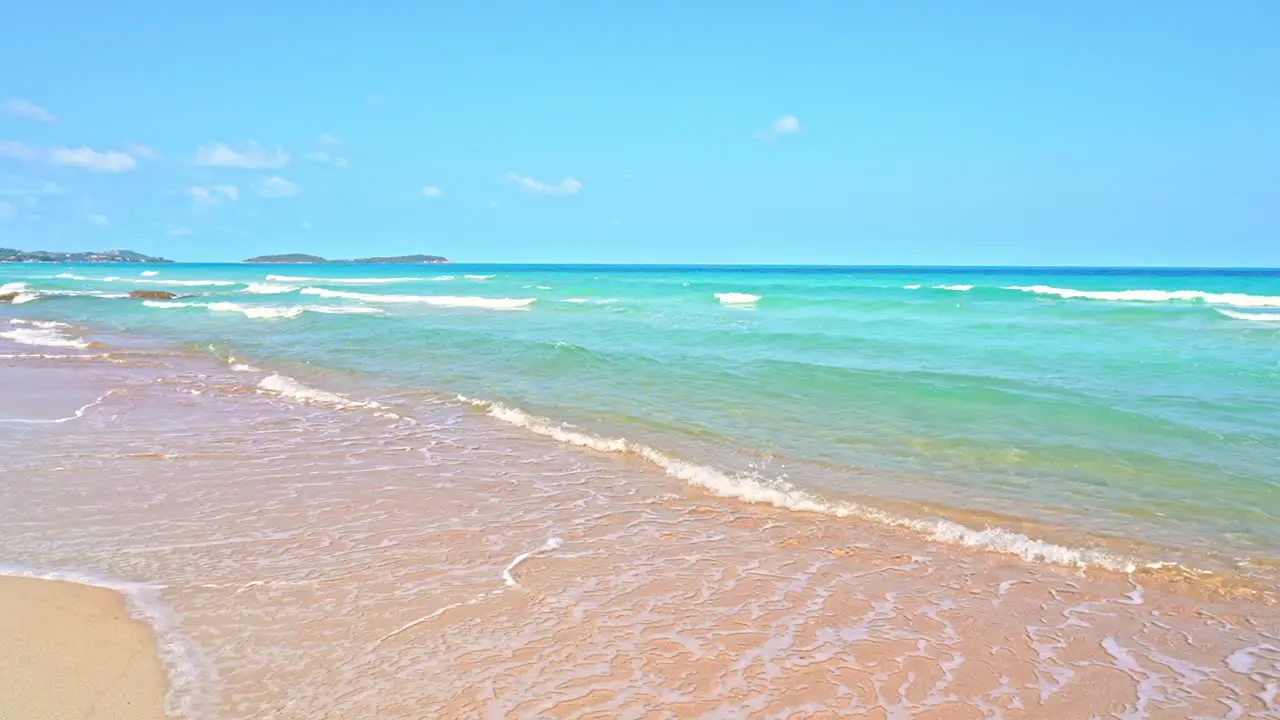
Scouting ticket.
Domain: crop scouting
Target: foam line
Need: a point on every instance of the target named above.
(74, 416)
(178, 655)
(783, 495)
(550, 545)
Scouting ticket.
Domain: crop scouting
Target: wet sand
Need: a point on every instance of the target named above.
(71, 651)
(417, 559)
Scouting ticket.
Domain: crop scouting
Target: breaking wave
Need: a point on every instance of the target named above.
(286, 387)
(436, 300)
(734, 298)
(341, 281)
(783, 495)
(265, 312)
(268, 288)
(1255, 317)
(43, 334)
(1233, 299)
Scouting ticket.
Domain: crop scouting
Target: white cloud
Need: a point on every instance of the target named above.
(7, 210)
(567, 186)
(85, 158)
(215, 195)
(432, 191)
(324, 157)
(276, 187)
(29, 110)
(328, 139)
(140, 151)
(786, 125)
(17, 151)
(98, 219)
(249, 155)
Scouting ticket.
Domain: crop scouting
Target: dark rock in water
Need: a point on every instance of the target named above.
(8, 297)
(152, 295)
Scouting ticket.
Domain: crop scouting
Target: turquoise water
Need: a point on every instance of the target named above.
(1134, 405)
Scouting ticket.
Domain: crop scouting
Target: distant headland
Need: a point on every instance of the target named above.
(302, 259)
(106, 256)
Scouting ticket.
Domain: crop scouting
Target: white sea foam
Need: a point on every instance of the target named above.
(286, 386)
(1233, 299)
(268, 288)
(342, 281)
(39, 323)
(735, 298)
(480, 277)
(257, 312)
(79, 413)
(236, 366)
(266, 312)
(47, 335)
(592, 301)
(441, 278)
(180, 657)
(436, 300)
(184, 283)
(552, 544)
(84, 293)
(781, 494)
(911, 287)
(149, 273)
(25, 297)
(1255, 317)
(956, 288)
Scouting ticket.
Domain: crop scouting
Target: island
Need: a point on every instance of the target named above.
(304, 259)
(10, 255)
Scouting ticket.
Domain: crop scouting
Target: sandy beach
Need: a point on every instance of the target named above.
(73, 651)
(324, 555)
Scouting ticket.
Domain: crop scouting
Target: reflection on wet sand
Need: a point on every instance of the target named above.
(324, 560)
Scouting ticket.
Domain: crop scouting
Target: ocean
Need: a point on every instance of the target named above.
(1104, 423)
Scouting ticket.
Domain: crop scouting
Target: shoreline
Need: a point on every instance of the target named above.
(73, 650)
(330, 544)
(1033, 541)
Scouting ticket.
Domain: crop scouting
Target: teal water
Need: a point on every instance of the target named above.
(1129, 405)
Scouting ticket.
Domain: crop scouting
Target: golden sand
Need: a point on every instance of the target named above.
(72, 651)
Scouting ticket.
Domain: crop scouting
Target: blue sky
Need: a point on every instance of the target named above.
(809, 132)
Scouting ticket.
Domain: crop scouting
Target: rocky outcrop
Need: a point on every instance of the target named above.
(8, 297)
(152, 295)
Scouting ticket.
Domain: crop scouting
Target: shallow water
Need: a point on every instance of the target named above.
(384, 514)
(356, 551)
(1115, 408)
